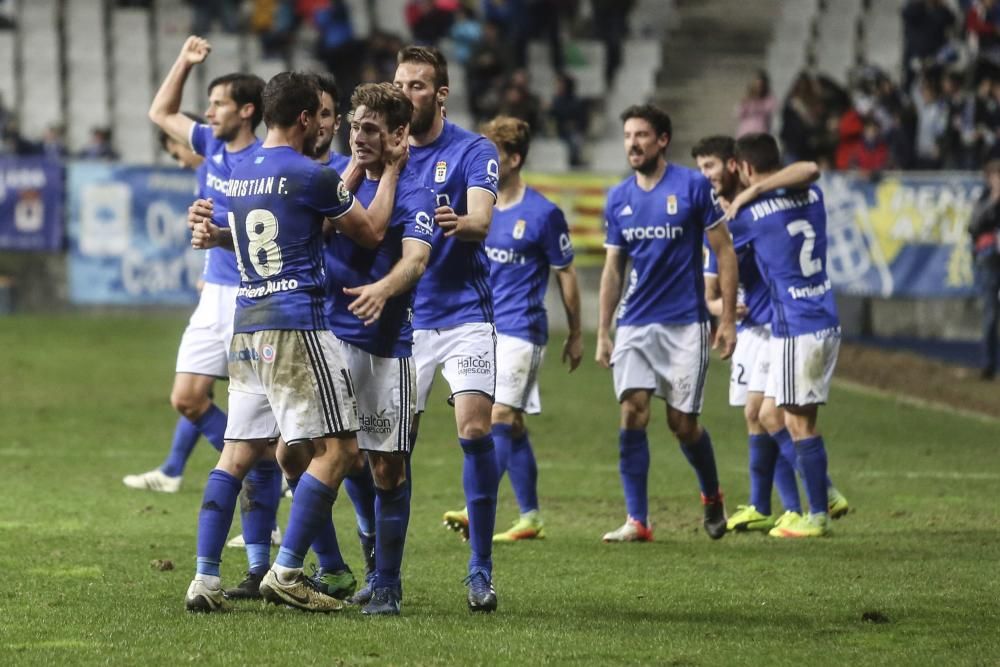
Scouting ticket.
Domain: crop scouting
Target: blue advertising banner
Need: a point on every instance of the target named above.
(128, 238)
(31, 204)
(901, 236)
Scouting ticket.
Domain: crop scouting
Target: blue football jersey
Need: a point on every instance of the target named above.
(455, 288)
(220, 263)
(788, 233)
(278, 200)
(524, 241)
(337, 162)
(752, 291)
(661, 232)
(351, 265)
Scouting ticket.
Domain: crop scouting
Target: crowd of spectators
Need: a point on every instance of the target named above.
(488, 39)
(942, 111)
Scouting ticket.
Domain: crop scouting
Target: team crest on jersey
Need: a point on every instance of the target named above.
(342, 194)
(519, 229)
(440, 172)
(672, 204)
(267, 353)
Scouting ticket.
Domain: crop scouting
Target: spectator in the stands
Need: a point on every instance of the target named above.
(870, 153)
(984, 36)
(275, 22)
(984, 228)
(518, 101)
(206, 13)
(927, 25)
(571, 117)
(485, 73)
(802, 120)
(611, 25)
(337, 48)
(465, 33)
(958, 143)
(99, 147)
(932, 121)
(7, 13)
(430, 20)
(756, 109)
(53, 143)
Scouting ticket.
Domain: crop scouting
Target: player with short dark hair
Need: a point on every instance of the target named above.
(770, 445)
(287, 372)
(528, 236)
(657, 218)
(788, 234)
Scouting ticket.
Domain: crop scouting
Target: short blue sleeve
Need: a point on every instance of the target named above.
(417, 210)
(201, 139)
(703, 200)
(613, 234)
(482, 166)
(327, 194)
(558, 247)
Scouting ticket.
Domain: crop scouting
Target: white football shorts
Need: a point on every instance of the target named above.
(468, 354)
(750, 363)
(290, 382)
(204, 348)
(669, 359)
(518, 363)
(802, 367)
(387, 400)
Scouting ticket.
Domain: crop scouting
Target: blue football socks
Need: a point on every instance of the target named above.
(311, 509)
(784, 472)
(523, 471)
(812, 459)
(261, 495)
(215, 518)
(361, 490)
(212, 425)
(763, 457)
(185, 438)
(392, 514)
(480, 480)
(633, 465)
(701, 456)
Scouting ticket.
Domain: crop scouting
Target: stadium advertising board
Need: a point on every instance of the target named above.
(31, 196)
(901, 236)
(128, 240)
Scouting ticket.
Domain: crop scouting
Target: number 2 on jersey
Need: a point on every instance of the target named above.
(262, 250)
(810, 265)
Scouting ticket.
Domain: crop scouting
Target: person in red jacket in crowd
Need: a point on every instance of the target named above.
(861, 144)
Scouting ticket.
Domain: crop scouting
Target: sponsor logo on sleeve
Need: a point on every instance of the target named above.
(565, 245)
(342, 193)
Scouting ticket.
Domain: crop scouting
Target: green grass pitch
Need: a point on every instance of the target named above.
(83, 401)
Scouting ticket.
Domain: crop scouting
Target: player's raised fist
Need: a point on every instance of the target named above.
(195, 50)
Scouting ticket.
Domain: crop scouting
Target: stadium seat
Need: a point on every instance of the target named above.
(836, 45)
(8, 74)
(86, 74)
(132, 87)
(40, 101)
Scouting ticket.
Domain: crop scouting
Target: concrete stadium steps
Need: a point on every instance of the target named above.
(87, 63)
(40, 103)
(132, 84)
(708, 62)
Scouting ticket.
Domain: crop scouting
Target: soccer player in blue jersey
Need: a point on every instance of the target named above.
(329, 125)
(372, 319)
(453, 309)
(528, 236)
(286, 368)
(772, 453)
(788, 233)
(233, 114)
(657, 219)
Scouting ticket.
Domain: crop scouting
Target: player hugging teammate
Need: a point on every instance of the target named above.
(360, 275)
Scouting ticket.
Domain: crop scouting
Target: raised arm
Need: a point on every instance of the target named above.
(474, 225)
(610, 293)
(722, 246)
(405, 273)
(165, 109)
(569, 289)
(796, 176)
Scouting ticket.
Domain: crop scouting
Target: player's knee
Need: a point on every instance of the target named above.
(503, 414)
(517, 429)
(388, 470)
(751, 412)
(189, 404)
(293, 460)
(634, 414)
(685, 428)
(473, 431)
(769, 416)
